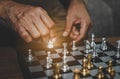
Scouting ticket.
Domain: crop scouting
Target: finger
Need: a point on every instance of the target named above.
(44, 31)
(47, 20)
(83, 31)
(68, 27)
(24, 34)
(28, 24)
(74, 33)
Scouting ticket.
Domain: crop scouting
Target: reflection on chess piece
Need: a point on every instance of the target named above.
(30, 56)
(87, 46)
(104, 45)
(118, 50)
(84, 70)
(100, 74)
(65, 48)
(76, 73)
(110, 70)
(56, 71)
(89, 64)
(49, 60)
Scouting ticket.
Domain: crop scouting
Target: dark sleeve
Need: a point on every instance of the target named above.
(65, 3)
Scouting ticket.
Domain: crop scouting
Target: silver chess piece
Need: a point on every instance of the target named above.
(30, 56)
(65, 67)
(118, 50)
(65, 48)
(92, 40)
(94, 52)
(87, 46)
(104, 45)
(49, 60)
(74, 46)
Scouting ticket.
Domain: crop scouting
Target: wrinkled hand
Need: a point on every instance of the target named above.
(77, 14)
(30, 22)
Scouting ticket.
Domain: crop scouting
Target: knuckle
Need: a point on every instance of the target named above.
(45, 33)
(36, 35)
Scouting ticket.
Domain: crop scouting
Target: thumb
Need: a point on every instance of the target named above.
(67, 28)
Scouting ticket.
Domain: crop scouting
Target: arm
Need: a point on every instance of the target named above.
(77, 14)
(28, 21)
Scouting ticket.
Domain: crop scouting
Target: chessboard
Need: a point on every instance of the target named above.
(36, 69)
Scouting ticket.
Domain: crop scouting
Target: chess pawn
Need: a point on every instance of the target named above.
(100, 74)
(65, 48)
(84, 70)
(110, 70)
(89, 64)
(76, 73)
(56, 71)
(87, 46)
(73, 46)
(104, 45)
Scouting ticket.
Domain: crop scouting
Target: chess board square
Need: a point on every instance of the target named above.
(38, 74)
(33, 63)
(117, 68)
(55, 56)
(42, 62)
(74, 53)
(57, 60)
(39, 53)
(59, 50)
(35, 68)
(106, 59)
(118, 61)
(98, 51)
(81, 48)
(70, 58)
(78, 57)
(41, 57)
(117, 76)
(49, 72)
(67, 76)
(104, 65)
(73, 63)
(76, 66)
(93, 72)
(110, 53)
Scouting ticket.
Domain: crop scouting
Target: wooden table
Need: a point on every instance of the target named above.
(9, 66)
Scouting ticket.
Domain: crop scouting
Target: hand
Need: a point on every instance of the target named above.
(30, 22)
(77, 14)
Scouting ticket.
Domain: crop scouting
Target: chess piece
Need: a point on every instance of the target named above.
(118, 50)
(84, 70)
(50, 44)
(65, 48)
(92, 40)
(65, 67)
(104, 45)
(110, 70)
(49, 61)
(94, 51)
(87, 46)
(76, 73)
(89, 64)
(73, 46)
(30, 56)
(56, 71)
(100, 74)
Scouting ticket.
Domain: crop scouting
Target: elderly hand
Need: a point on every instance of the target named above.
(77, 14)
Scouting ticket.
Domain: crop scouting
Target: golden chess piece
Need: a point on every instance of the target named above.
(76, 73)
(100, 74)
(89, 64)
(56, 71)
(110, 70)
(84, 70)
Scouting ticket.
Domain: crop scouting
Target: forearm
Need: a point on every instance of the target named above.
(5, 5)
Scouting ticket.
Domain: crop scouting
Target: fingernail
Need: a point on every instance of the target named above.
(65, 33)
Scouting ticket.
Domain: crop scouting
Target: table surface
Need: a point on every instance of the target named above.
(9, 66)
